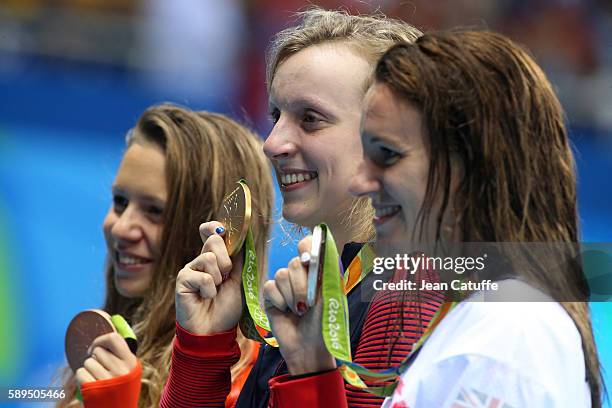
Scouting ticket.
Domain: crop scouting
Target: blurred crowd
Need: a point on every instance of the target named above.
(216, 48)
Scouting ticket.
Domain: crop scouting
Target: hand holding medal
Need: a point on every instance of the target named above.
(208, 289)
(99, 346)
(87, 326)
(322, 332)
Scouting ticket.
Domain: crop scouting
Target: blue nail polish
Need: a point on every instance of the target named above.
(219, 230)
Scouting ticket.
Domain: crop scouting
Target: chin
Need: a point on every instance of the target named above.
(383, 249)
(130, 288)
(299, 216)
(389, 246)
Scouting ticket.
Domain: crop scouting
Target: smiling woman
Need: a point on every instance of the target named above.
(315, 102)
(173, 177)
(134, 222)
(395, 145)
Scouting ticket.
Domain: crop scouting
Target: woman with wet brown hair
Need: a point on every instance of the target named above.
(177, 168)
(464, 142)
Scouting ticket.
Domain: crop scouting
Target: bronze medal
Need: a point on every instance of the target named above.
(235, 215)
(84, 328)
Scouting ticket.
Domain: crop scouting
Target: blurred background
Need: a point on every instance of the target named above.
(76, 74)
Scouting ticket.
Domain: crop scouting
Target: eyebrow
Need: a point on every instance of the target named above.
(144, 197)
(398, 142)
(302, 102)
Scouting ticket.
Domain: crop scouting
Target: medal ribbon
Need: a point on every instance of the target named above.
(356, 374)
(252, 315)
(335, 321)
(253, 320)
(359, 267)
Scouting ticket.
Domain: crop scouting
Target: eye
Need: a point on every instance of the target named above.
(311, 121)
(154, 210)
(388, 156)
(274, 115)
(120, 203)
(382, 155)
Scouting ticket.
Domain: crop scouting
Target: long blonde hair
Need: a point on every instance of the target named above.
(370, 36)
(206, 153)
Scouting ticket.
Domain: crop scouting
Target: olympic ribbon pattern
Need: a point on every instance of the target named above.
(335, 323)
(253, 317)
(337, 338)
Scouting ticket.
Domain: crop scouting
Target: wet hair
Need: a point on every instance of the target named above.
(485, 102)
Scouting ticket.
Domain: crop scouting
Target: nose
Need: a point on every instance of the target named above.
(280, 143)
(127, 228)
(365, 181)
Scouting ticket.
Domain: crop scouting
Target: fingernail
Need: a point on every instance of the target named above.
(219, 230)
(301, 307)
(305, 258)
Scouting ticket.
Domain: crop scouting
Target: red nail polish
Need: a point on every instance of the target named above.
(301, 307)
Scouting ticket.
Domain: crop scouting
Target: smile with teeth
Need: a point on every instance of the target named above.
(291, 178)
(386, 211)
(131, 260)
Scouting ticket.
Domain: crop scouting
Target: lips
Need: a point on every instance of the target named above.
(131, 262)
(385, 213)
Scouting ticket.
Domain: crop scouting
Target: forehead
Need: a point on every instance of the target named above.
(385, 115)
(142, 171)
(332, 73)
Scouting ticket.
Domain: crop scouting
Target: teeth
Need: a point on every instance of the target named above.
(129, 260)
(383, 212)
(288, 179)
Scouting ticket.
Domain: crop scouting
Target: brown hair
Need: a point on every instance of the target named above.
(484, 100)
(369, 35)
(206, 154)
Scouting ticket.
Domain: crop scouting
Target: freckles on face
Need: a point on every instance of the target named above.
(133, 224)
(397, 166)
(315, 102)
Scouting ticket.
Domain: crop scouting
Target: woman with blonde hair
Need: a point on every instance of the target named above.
(466, 150)
(318, 72)
(177, 168)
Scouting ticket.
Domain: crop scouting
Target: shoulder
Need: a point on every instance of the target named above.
(536, 342)
(519, 352)
(510, 331)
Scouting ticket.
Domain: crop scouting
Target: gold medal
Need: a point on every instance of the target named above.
(235, 215)
(82, 331)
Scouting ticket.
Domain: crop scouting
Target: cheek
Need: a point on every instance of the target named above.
(343, 162)
(154, 234)
(404, 189)
(107, 224)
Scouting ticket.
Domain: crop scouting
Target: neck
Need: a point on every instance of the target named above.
(342, 234)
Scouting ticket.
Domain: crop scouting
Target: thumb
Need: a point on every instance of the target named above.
(210, 228)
